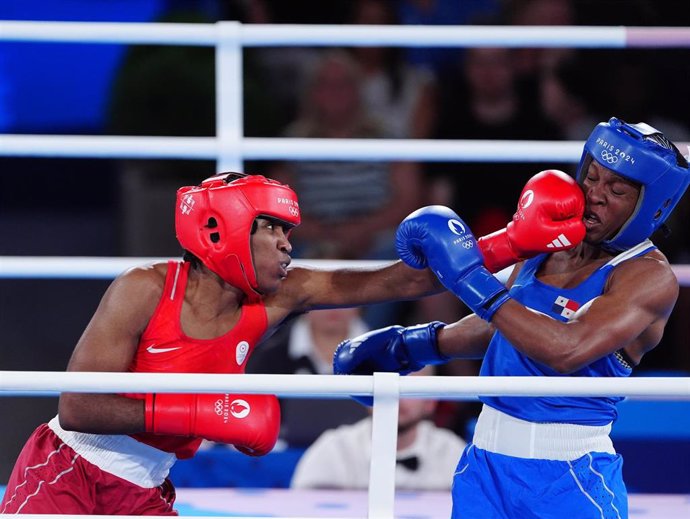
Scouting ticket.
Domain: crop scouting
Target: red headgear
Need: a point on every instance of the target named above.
(213, 221)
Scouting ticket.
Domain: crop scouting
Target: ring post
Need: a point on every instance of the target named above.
(229, 94)
(384, 439)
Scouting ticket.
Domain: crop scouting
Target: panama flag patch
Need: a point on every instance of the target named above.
(565, 307)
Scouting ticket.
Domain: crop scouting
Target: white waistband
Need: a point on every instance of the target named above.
(120, 455)
(501, 433)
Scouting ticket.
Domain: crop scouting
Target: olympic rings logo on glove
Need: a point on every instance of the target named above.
(218, 407)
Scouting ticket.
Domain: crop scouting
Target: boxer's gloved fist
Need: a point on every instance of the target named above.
(548, 219)
(394, 348)
(249, 422)
(436, 237)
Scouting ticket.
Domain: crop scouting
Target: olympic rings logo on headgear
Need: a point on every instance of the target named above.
(293, 211)
(609, 157)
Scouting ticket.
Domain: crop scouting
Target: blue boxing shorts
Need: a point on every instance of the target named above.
(496, 486)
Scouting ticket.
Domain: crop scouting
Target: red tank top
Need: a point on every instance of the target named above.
(164, 348)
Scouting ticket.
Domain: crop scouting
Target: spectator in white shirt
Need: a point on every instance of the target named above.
(426, 454)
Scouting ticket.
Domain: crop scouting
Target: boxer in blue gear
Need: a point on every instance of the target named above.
(592, 311)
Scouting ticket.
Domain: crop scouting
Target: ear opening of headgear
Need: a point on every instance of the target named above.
(641, 154)
(214, 220)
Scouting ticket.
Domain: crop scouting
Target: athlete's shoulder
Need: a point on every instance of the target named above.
(145, 281)
(650, 276)
(652, 264)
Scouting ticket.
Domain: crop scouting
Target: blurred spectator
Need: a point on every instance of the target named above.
(352, 206)
(160, 90)
(529, 62)
(442, 12)
(356, 204)
(170, 91)
(635, 101)
(401, 96)
(426, 454)
(566, 95)
(481, 101)
(306, 346)
(278, 71)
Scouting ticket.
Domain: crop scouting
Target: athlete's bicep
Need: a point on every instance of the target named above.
(109, 341)
(632, 312)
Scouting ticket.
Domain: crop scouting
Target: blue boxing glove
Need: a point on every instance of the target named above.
(436, 237)
(391, 349)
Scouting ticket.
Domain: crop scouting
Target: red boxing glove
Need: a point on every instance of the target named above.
(249, 422)
(548, 219)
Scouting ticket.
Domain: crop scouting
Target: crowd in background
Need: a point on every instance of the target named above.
(351, 209)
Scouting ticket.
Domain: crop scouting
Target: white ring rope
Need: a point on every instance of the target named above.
(85, 267)
(28, 383)
(255, 148)
(228, 36)
(258, 35)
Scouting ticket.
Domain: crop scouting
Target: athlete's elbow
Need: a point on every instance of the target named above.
(563, 368)
(566, 364)
(69, 415)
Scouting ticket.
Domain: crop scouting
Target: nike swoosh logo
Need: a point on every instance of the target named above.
(153, 349)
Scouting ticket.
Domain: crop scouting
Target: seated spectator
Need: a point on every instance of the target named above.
(566, 96)
(400, 95)
(356, 204)
(426, 454)
(306, 346)
(443, 12)
(492, 109)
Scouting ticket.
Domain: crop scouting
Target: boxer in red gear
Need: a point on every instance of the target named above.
(111, 454)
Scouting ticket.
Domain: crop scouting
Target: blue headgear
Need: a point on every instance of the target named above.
(643, 155)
